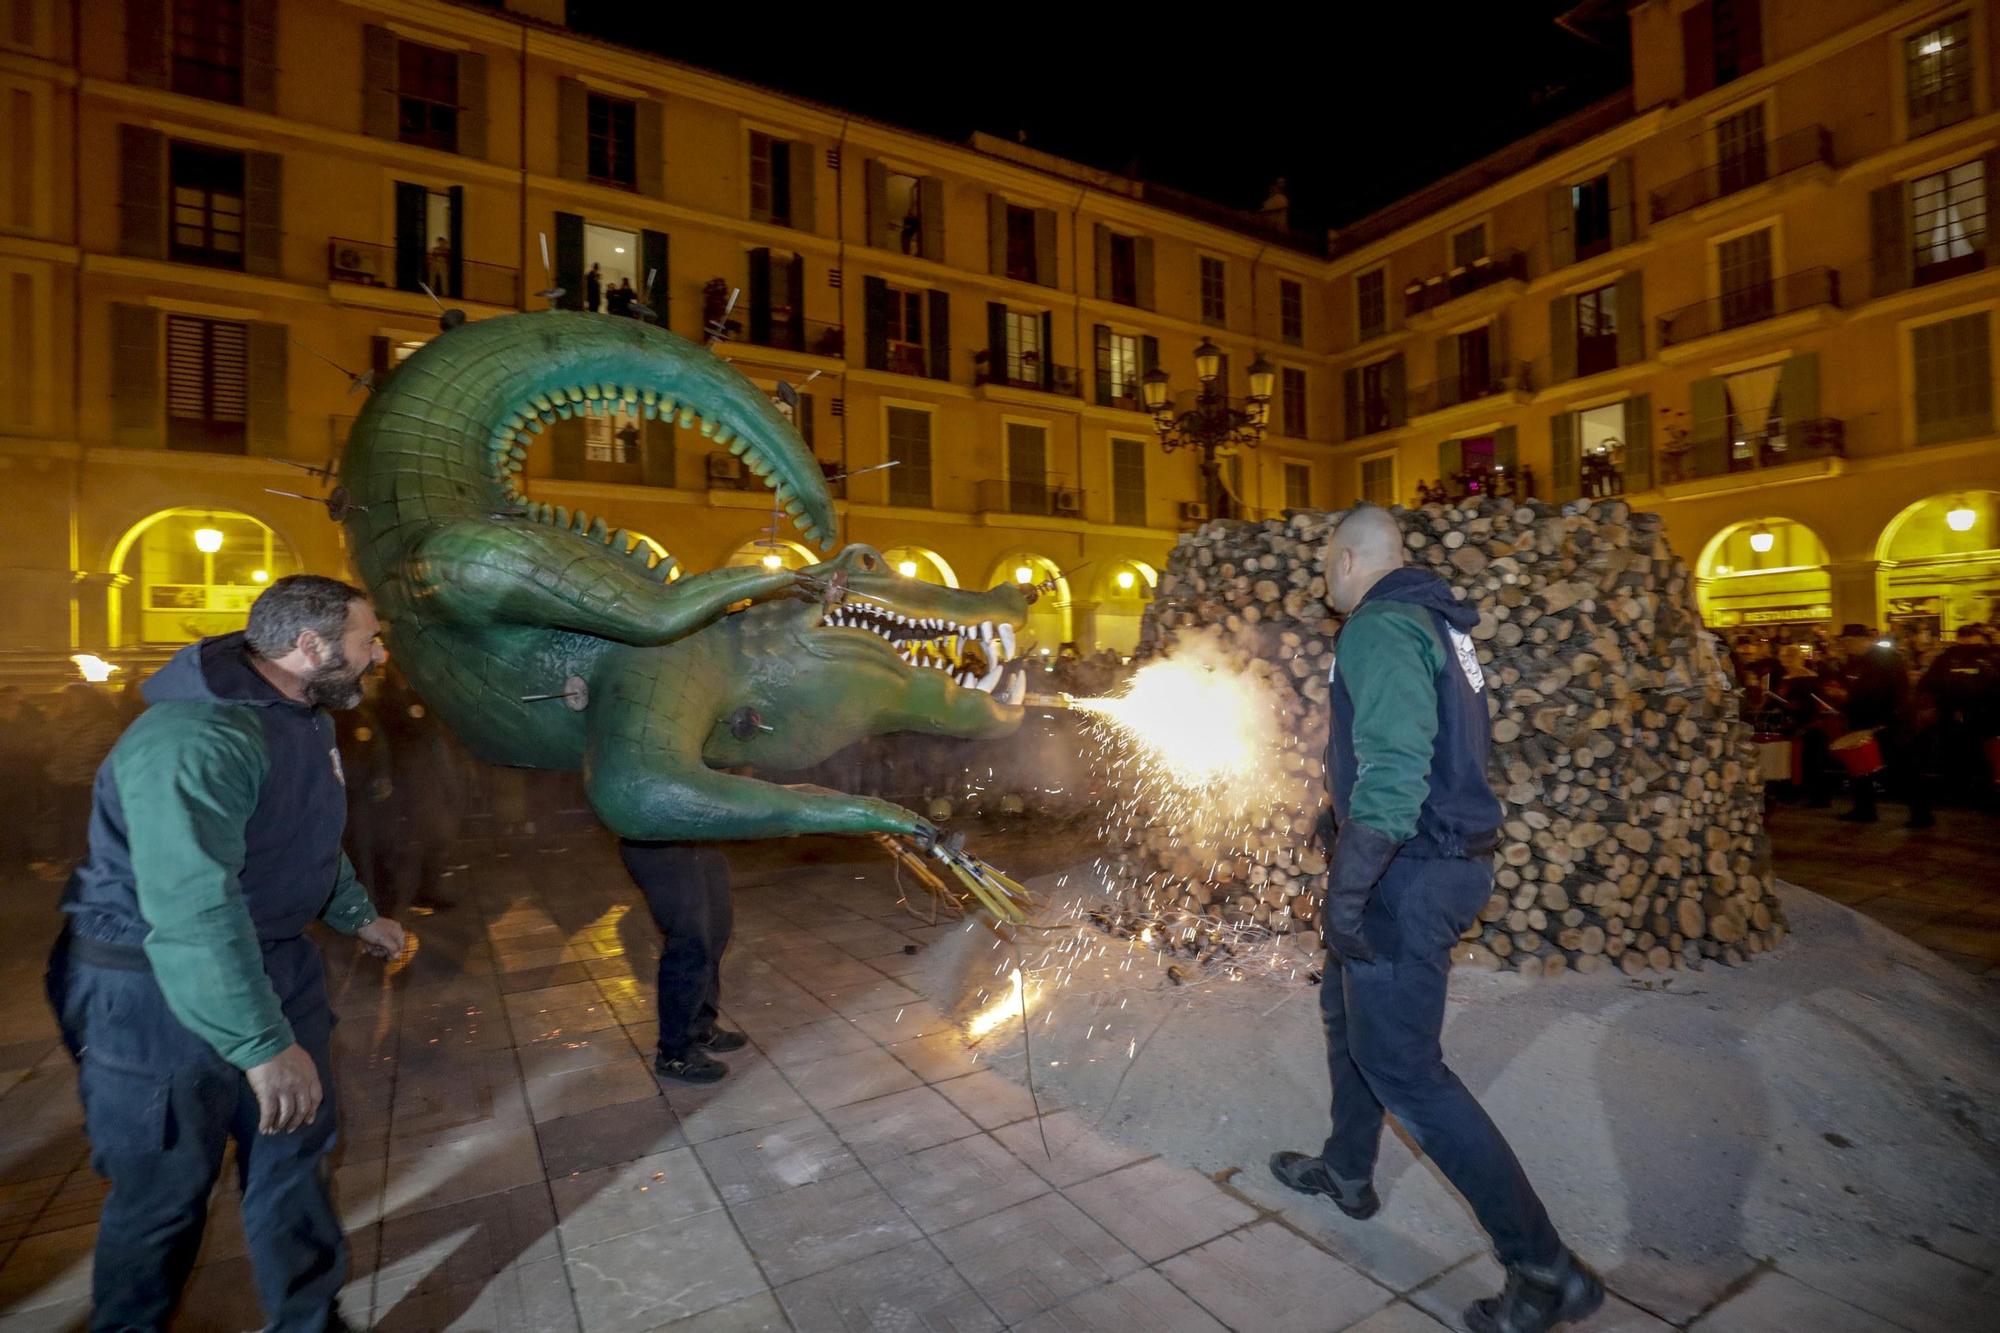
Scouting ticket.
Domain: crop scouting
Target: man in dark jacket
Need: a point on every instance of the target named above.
(1411, 869)
(1874, 693)
(184, 980)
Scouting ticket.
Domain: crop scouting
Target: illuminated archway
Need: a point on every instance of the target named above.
(192, 572)
(771, 553)
(1123, 590)
(1940, 563)
(1049, 625)
(674, 570)
(920, 562)
(1767, 571)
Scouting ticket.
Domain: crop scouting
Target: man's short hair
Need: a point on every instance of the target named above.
(295, 604)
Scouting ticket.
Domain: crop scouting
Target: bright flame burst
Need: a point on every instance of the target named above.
(1199, 726)
(93, 668)
(1009, 1006)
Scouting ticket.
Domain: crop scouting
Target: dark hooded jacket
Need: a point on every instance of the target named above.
(1406, 754)
(215, 833)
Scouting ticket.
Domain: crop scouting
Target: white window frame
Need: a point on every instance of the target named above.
(1395, 473)
(882, 419)
(1906, 356)
(1355, 290)
(1899, 70)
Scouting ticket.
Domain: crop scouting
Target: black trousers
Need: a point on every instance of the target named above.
(687, 890)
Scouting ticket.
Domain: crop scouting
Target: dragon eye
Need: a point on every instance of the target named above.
(868, 562)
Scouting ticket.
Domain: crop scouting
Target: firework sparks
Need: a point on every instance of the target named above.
(1200, 726)
(1013, 1004)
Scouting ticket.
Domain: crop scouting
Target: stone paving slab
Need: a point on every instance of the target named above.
(1268, 1277)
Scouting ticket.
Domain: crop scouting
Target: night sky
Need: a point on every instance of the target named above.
(1353, 111)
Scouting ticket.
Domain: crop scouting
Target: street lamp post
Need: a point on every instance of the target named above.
(1213, 424)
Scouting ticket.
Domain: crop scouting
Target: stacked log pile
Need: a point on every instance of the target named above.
(1633, 830)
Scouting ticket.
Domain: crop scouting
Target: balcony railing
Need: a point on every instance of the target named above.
(815, 336)
(1807, 147)
(1749, 305)
(370, 265)
(1049, 498)
(1430, 398)
(1790, 442)
(1114, 390)
(1432, 292)
(1043, 376)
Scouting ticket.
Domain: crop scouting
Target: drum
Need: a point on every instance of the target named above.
(1774, 757)
(1859, 753)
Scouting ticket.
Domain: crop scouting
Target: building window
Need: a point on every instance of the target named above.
(1292, 397)
(1468, 246)
(1597, 330)
(902, 221)
(427, 96)
(770, 179)
(207, 187)
(1024, 347)
(909, 443)
(1371, 304)
(908, 354)
(1375, 414)
(1738, 48)
(1124, 269)
(1937, 65)
(1378, 480)
(1475, 363)
(614, 438)
(1027, 468)
(1291, 311)
(1021, 265)
(1600, 444)
(207, 384)
(1298, 486)
(1948, 222)
(1214, 291)
(1590, 215)
(613, 139)
(208, 49)
(1128, 483)
(1953, 368)
(1743, 264)
(1122, 364)
(1739, 150)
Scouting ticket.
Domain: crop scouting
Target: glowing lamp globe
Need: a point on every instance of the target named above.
(772, 562)
(208, 540)
(1125, 579)
(260, 576)
(1762, 540)
(1022, 574)
(1961, 518)
(908, 569)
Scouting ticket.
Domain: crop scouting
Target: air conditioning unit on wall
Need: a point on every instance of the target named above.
(725, 469)
(1066, 501)
(1194, 511)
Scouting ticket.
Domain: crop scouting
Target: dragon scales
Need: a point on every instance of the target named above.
(491, 599)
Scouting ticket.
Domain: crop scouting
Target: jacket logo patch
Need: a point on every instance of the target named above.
(1468, 660)
(338, 772)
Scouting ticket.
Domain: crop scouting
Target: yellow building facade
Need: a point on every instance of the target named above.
(1755, 294)
(217, 212)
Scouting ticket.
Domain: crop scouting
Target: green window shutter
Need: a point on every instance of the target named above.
(875, 203)
(569, 259)
(1631, 298)
(805, 206)
(1451, 458)
(1562, 339)
(1507, 449)
(760, 296)
(657, 463)
(1798, 391)
(1149, 354)
(996, 340)
(263, 207)
(135, 375)
(572, 129)
(1101, 342)
(875, 323)
(1142, 249)
(796, 284)
(412, 221)
(1447, 370)
(1045, 246)
(1048, 349)
(1638, 443)
(1621, 201)
(379, 49)
(260, 55)
(146, 42)
(472, 104)
(1708, 424)
(930, 204)
(648, 150)
(566, 449)
(1890, 260)
(1102, 234)
(1562, 228)
(1395, 388)
(996, 235)
(940, 335)
(142, 192)
(1350, 404)
(653, 253)
(1564, 483)
(268, 409)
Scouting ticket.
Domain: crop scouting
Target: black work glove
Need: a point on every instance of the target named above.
(1360, 855)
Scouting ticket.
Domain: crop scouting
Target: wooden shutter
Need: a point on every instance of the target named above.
(795, 275)
(1149, 357)
(472, 104)
(1507, 448)
(1708, 419)
(1350, 395)
(1749, 36)
(379, 48)
(1101, 341)
(412, 221)
(1048, 349)
(648, 151)
(263, 234)
(805, 210)
(142, 192)
(940, 335)
(267, 418)
(1142, 263)
(1447, 369)
(260, 55)
(803, 421)
(566, 448)
(1638, 443)
(572, 130)
(875, 323)
(657, 464)
(1045, 248)
(1798, 390)
(569, 259)
(1564, 484)
(1698, 49)
(146, 42)
(1562, 339)
(379, 359)
(455, 265)
(1631, 298)
(996, 341)
(760, 296)
(1889, 238)
(653, 255)
(135, 375)
(1451, 458)
(930, 203)
(996, 235)
(875, 202)
(1562, 227)
(1622, 202)
(1395, 389)
(1102, 235)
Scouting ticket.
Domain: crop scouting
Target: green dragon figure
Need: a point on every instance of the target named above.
(544, 639)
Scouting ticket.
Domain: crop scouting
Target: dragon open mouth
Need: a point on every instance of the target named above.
(976, 656)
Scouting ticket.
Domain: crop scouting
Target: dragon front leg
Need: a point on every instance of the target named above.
(674, 798)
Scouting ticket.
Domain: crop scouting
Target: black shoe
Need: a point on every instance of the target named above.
(721, 1039)
(697, 1066)
(1311, 1175)
(1538, 1298)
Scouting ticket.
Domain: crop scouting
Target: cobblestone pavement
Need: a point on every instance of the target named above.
(510, 1162)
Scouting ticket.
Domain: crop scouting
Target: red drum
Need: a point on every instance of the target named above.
(1859, 753)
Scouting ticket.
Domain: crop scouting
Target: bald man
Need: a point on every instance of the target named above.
(1411, 869)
